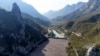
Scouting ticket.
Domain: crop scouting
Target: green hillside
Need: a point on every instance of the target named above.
(90, 34)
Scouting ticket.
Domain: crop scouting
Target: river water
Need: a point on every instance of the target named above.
(57, 35)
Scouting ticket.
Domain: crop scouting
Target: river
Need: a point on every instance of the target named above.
(58, 35)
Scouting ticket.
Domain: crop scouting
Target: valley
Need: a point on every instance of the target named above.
(70, 31)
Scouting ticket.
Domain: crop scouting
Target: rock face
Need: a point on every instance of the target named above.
(11, 31)
(17, 13)
(15, 10)
(17, 35)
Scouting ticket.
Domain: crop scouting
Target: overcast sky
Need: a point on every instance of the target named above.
(44, 6)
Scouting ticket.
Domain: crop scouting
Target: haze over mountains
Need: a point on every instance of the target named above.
(92, 7)
(27, 11)
(26, 8)
(64, 11)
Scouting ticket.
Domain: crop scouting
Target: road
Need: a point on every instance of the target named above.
(53, 47)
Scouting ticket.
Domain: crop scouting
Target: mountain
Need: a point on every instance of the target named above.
(89, 31)
(18, 36)
(85, 25)
(64, 11)
(26, 8)
(90, 8)
(37, 20)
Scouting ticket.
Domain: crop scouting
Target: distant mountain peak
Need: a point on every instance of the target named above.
(24, 8)
(93, 4)
(64, 11)
(91, 7)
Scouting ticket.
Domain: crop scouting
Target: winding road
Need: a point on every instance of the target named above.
(53, 47)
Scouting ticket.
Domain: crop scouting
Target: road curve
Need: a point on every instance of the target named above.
(53, 47)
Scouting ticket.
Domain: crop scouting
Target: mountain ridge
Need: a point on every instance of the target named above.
(30, 9)
(89, 8)
(64, 11)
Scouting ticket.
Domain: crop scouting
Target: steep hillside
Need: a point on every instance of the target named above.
(91, 7)
(85, 29)
(18, 36)
(64, 11)
(90, 33)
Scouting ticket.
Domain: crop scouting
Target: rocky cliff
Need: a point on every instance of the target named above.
(17, 37)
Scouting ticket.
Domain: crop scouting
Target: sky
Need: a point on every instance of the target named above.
(44, 6)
